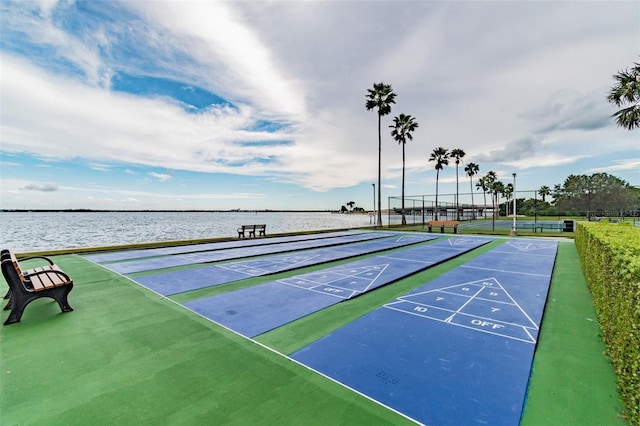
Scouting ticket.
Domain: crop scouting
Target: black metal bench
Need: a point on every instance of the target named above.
(251, 230)
(26, 286)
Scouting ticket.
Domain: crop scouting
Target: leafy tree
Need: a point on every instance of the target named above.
(403, 126)
(599, 192)
(627, 91)
(380, 97)
(533, 207)
(472, 169)
(544, 191)
(351, 204)
(457, 154)
(441, 157)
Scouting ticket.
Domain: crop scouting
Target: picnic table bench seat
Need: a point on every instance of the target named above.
(444, 224)
(251, 230)
(28, 285)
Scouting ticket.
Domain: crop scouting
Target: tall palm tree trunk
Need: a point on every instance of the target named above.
(473, 207)
(379, 221)
(457, 195)
(404, 219)
(436, 208)
(484, 193)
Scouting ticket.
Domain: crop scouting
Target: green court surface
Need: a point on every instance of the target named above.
(129, 356)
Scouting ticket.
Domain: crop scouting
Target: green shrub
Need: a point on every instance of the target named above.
(610, 257)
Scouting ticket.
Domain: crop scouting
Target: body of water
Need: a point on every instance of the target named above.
(34, 231)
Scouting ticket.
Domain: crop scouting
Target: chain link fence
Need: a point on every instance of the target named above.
(420, 209)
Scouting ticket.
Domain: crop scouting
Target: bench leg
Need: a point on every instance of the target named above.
(455, 229)
(429, 229)
(8, 306)
(15, 315)
(20, 301)
(442, 229)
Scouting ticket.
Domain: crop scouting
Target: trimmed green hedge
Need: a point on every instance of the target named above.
(610, 256)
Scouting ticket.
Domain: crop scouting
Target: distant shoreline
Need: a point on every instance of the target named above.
(161, 211)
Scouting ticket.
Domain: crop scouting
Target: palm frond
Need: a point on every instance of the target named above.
(627, 91)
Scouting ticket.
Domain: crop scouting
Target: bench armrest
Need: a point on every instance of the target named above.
(36, 257)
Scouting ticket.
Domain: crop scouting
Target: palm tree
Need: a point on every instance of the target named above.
(490, 179)
(402, 127)
(441, 156)
(483, 184)
(627, 91)
(544, 191)
(508, 192)
(457, 155)
(498, 189)
(380, 97)
(472, 169)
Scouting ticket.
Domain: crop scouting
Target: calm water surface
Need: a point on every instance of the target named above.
(34, 231)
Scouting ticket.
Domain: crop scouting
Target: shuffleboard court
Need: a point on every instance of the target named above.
(192, 248)
(456, 350)
(175, 282)
(256, 310)
(128, 267)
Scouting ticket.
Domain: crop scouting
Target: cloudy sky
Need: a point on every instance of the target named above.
(261, 105)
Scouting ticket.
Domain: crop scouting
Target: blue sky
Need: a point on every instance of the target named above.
(261, 105)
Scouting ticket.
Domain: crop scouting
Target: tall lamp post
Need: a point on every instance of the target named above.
(374, 201)
(513, 231)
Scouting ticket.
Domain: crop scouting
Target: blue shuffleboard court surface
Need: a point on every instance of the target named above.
(192, 248)
(254, 310)
(150, 264)
(455, 351)
(174, 282)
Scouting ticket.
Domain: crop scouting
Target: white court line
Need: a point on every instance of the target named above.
(507, 272)
(523, 253)
(463, 305)
(313, 289)
(532, 341)
(384, 268)
(407, 260)
(410, 298)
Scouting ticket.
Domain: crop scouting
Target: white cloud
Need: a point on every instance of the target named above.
(41, 187)
(632, 164)
(41, 118)
(34, 21)
(160, 176)
(513, 84)
(215, 35)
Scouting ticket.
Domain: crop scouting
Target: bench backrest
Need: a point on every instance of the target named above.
(10, 274)
(16, 265)
(444, 223)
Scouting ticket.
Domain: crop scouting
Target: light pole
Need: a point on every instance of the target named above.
(513, 231)
(374, 200)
